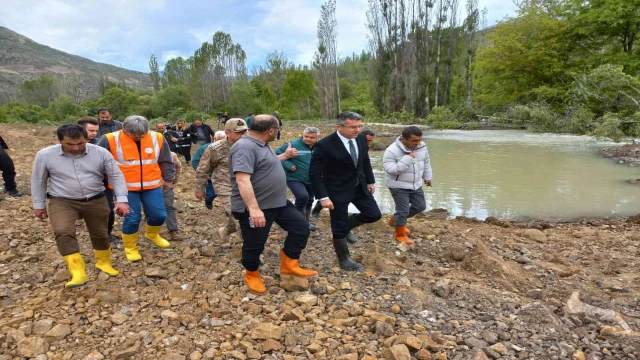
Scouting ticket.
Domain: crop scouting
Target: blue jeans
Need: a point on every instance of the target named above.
(302, 192)
(210, 194)
(153, 203)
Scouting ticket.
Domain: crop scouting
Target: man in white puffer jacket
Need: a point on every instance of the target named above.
(406, 167)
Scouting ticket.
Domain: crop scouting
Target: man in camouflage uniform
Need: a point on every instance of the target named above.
(214, 164)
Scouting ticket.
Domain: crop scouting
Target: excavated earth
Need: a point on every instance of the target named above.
(466, 289)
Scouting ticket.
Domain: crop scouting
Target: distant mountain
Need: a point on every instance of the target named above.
(23, 59)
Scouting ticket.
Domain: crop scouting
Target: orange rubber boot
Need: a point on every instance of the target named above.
(401, 235)
(391, 224)
(292, 267)
(254, 282)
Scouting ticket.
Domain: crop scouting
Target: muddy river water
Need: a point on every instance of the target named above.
(520, 175)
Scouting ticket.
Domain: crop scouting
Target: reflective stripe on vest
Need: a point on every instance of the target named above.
(139, 164)
(145, 184)
(120, 156)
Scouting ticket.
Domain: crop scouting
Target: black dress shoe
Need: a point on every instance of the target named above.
(208, 204)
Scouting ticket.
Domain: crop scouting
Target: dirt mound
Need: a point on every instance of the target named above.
(508, 274)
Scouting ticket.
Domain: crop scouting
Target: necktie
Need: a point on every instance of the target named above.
(352, 150)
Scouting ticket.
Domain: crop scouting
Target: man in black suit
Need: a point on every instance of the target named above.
(341, 173)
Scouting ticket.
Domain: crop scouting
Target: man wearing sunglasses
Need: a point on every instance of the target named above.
(341, 173)
(406, 166)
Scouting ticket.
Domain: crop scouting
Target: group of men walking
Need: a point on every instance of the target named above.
(136, 168)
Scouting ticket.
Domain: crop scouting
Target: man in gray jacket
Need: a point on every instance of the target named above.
(406, 167)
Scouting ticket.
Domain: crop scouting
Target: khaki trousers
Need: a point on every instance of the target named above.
(63, 214)
(231, 225)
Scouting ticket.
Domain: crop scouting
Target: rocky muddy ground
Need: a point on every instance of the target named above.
(465, 290)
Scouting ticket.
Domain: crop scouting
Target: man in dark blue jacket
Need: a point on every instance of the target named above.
(297, 170)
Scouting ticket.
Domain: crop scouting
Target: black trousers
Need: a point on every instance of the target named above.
(365, 203)
(8, 171)
(109, 194)
(254, 239)
(184, 150)
(302, 192)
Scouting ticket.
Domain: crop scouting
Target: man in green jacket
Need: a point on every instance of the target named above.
(297, 170)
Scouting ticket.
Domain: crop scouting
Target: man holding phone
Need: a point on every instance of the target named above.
(406, 166)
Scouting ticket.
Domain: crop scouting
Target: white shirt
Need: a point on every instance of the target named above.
(345, 141)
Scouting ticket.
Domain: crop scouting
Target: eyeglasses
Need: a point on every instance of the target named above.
(352, 127)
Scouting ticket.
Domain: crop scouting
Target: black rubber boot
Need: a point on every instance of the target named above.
(303, 211)
(353, 223)
(315, 213)
(344, 257)
(307, 213)
(15, 193)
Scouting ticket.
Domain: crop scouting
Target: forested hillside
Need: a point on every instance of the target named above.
(22, 59)
(558, 65)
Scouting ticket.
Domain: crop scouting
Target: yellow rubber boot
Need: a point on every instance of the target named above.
(153, 233)
(103, 262)
(130, 242)
(254, 282)
(75, 263)
(292, 267)
(391, 224)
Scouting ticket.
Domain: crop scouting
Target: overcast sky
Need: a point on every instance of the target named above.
(125, 33)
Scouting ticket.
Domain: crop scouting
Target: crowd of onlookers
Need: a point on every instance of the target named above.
(104, 168)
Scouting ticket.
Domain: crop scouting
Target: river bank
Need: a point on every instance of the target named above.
(467, 289)
(626, 154)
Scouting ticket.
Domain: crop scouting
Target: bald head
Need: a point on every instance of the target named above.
(263, 123)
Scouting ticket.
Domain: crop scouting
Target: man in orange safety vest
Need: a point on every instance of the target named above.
(145, 160)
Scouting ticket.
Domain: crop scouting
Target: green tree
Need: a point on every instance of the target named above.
(608, 29)
(176, 71)
(172, 97)
(298, 90)
(607, 88)
(24, 113)
(617, 20)
(527, 59)
(40, 91)
(114, 99)
(243, 99)
(266, 99)
(63, 108)
(154, 72)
